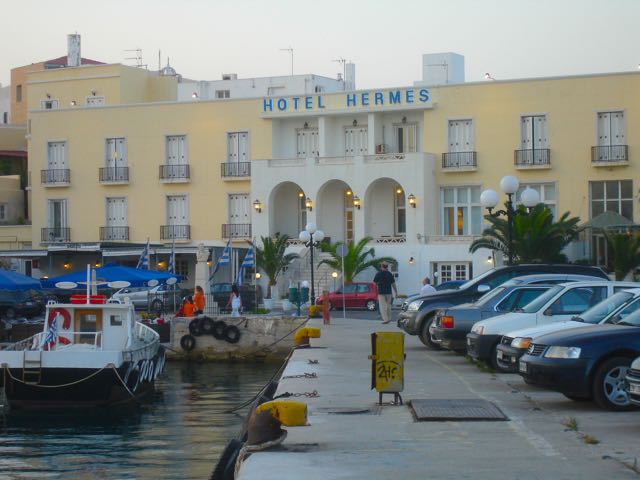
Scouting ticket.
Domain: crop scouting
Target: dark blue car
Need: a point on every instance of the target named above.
(586, 363)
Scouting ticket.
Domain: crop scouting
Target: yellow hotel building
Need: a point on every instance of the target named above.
(121, 160)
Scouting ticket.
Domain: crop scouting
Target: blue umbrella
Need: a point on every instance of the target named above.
(112, 272)
(16, 281)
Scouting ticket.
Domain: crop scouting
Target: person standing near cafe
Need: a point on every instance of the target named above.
(199, 300)
(386, 283)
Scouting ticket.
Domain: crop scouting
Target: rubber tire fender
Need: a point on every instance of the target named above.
(206, 325)
(194, 327)
(188, 342)
(219, 328)
(232, 334)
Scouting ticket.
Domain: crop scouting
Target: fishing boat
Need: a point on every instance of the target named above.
(91, 353)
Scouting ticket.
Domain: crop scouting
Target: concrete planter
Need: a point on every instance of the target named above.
(268, 303)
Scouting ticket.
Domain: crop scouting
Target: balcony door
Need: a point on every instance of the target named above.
(460, 136)
(177, 210)
(176, 150)
(356, 141)
(610, 133)
(237, 147)
(57, 156)
(307, 142)
(116, 156)
(239, 208)
(116, 218)
(57, 221)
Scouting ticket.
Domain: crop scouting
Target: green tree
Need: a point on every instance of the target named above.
(271, 259)
(537, 238)
(625, 248)
(357, 259)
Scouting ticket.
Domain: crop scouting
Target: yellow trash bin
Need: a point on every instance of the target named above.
(387, 364)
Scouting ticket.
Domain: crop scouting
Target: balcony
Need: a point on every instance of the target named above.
(610, 155)
(114, 175)
(539, 158)
(114, 234)
(55, 235)
(175, 232)
(236, 230)
(175, 173)
(235, 170)
(56, 177)
(459, 162)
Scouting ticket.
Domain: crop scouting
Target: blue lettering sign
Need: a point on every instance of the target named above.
(394, 97)
(308, 102)
(365, 99)
(320, 101)
(267, 104)
(351, 100)
(379, 98)
(409, 96)
(424, 95)
(296, 102)
(282, 104)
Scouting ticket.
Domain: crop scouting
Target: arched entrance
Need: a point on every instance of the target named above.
(385, 207)
(335, 211)
(287, 212)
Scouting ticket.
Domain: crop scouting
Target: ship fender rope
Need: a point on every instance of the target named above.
(110, 365)
(247, 450)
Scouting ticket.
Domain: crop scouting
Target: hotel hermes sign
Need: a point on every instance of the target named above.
(348, 101)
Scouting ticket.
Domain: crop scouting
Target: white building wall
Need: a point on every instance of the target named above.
(5, 104)
(442, 69)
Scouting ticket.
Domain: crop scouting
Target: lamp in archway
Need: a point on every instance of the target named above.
(309, 204)
(412, 200)
(257, 206)
(356, 202)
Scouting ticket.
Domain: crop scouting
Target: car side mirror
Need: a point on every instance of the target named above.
(483, 288)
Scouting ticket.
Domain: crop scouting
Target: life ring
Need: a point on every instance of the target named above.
(66, 325)
(232, 334)
(206, 325)
(218, 329)
(188, 342)
(194, 327)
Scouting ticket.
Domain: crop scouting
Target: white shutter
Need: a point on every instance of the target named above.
(116, 212)
(349, 142)
(363, 141)
(617, 128)
(243, 146)
(526, 133)
(232, 147)
(177, 211)
(116, 155)
(604, 129)
(540, 131)
(307, 142)
(239, 209)
(176, 150)
(460, 136)
(56, 156)
(313, 145)
(301, 144)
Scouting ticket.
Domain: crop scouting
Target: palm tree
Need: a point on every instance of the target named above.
(536, 236)
(626, 252)
(355, 261)
(271, 258)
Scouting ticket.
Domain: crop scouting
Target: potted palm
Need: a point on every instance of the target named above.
(357, 259)
(272, 260)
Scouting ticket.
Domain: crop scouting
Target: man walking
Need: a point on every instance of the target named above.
(385, 282)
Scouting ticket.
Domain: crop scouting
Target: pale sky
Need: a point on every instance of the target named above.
(385, 38)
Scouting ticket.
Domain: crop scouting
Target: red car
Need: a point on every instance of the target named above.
(356, 295)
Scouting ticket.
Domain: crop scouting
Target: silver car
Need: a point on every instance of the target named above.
(143, 297)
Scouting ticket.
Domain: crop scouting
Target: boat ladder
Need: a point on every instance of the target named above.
(32, 367)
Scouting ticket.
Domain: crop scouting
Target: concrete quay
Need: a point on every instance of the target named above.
(386, 442)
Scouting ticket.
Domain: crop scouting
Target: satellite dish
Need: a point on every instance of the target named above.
(171, 281)
(66, 285)
(153, 282)
(118, 284)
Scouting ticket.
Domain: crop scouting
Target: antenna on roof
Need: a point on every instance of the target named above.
(137, 58)
(290, 50)
(343, 62)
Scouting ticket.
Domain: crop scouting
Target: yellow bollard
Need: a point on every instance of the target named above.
(387, 364)
(302, 336)
(289, 413)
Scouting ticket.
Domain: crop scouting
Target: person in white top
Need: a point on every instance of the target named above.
(427, 288)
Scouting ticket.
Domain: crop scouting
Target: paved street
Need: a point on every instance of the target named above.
(386, 442)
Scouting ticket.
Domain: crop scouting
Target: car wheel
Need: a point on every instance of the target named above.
(609, 385)
(371, 305)
(425, 336)
(577, 399)
(10, 312)
(156, 305)
(493, 360)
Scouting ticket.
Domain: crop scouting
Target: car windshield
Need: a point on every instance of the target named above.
(476, 279)
(487, 297)
(539, 302)
(599, 311)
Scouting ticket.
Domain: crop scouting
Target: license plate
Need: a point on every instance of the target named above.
(522, 367)
(499, 355)
(634, 388)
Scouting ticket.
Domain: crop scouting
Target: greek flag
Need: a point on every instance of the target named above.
(52, 334)
(143, 262)
(172, 258)
(224, 259)
(248, 262)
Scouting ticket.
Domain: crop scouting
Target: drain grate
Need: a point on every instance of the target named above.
(438, 410)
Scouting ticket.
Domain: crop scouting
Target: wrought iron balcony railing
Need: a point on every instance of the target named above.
(175, 172)
(175, 232)
(539, 157)
(235, 169)
(455, 160)
(55, 234)
(236, 230)
(114, 234)
(114, 174)
(57, 176)
(610, 153)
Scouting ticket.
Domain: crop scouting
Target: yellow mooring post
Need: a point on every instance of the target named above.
(387, 364)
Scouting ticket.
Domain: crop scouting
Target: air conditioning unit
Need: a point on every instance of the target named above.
(381, 148)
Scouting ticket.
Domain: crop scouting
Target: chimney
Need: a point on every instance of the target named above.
(73, 50)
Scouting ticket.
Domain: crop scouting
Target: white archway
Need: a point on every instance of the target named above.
(335, 214)
(287, 213)
(385, 205)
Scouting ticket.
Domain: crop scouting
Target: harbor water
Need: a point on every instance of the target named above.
(180, 433)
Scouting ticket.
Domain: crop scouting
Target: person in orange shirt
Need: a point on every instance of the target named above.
(189, 309)
(199, 300)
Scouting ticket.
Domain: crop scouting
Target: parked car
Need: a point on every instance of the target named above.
(27, 303)
(450, 285)
(558, 304)
(143, 297)
(515, 344)
(419, 312)
(586, 363)
(355, 295)
(220, 294)
(451, 325)
(633, 382)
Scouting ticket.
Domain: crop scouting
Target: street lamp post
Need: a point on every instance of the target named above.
(309, 236)
(509, 185)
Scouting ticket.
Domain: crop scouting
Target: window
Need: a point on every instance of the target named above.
(5, 117)
(176, 150)
(307, 142)
(612, 196)
(350, 288)
(318, 89)
(177, 210)
(400, 210)
(547, 192)
(182, 268)
(363, 288)
(237, 147)
(610, 128)
(519, 299)
(578, 300)
(461, 136)
(18, 93)
(461, 211)
(302, 212)
(3, 211)
(49, 104)
(533, 132)
(405, 137)
(356, 141)
(115, 320)
(451, 271)
(223, 93)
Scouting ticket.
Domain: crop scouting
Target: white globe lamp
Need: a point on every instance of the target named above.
(509, 184)
(311, 227)
(318, 236)
(489, 198)
(304, 236)
(529, 197)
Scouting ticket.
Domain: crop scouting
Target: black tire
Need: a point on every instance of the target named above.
(188, 342)
(157, 305)
(577, 399)
(206, 325)
(226, 465)
(218, 329)
(194, 327)
(493, 360)
(424, 336)
(232, 334)
(608, 385)
(371, 305)
(10, 312)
